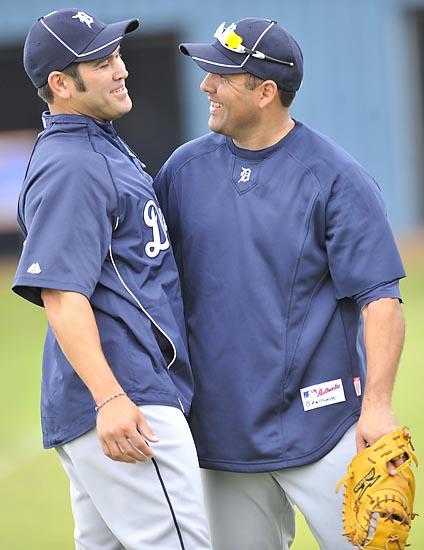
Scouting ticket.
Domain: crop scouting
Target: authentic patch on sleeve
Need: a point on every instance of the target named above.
(321, 395)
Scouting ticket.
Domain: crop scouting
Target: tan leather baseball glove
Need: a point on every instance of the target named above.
(377, 506)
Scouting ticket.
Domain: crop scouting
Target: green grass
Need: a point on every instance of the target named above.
(35, 510)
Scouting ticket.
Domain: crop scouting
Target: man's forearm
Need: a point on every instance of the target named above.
(73, 323)
(384, 333)
(121, 427)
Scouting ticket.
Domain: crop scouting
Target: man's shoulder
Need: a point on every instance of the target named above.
(59, 159)
(323, 156)
(65, 146)
(197, 148)
(312, 143)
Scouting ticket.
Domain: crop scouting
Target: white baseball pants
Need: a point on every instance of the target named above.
(154, 505)
(252, 511)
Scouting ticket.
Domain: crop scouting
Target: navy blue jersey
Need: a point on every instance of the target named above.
(277, 250)
(92, 225)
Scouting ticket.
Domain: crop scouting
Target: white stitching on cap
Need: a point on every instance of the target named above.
(261, 36)
(71, 50)
(219, 64)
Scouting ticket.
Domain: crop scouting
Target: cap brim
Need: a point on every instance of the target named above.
(107, 40)
(214, 60)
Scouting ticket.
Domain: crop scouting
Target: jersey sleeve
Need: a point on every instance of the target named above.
(67, 212)
(360, 244)
(385, 290)
(161, 188)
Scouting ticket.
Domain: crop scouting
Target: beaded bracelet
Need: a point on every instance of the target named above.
(108, 399)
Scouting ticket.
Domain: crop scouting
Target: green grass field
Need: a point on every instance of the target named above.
(35, 511)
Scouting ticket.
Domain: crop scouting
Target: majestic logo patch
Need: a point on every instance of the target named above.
(366, 482)
(245, 175)
(321, 395)
(154, 218)
(34, 269)
(84, 18)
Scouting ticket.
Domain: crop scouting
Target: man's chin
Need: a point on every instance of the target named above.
(123, 111)
(214, 127)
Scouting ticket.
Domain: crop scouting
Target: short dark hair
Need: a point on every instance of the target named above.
(286, 97)
(71, 70)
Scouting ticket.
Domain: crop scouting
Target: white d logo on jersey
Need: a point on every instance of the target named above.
(245, 175)
(153, 217)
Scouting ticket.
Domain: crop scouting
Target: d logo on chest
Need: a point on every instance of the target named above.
(245, 174)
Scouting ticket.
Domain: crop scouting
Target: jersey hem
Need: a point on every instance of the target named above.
(279, 463)
(50, 442)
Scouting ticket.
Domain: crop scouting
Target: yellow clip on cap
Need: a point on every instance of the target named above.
(234, 40)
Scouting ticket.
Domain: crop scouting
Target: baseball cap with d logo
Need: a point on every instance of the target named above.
(66, 36)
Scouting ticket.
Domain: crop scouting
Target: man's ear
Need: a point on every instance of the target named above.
(268, 90)
(59, 84)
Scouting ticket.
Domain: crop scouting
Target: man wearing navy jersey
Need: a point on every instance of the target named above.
(290, 279)
(97, 257)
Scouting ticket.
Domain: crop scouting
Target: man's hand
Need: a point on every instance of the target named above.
(123, 431)
(375, 422)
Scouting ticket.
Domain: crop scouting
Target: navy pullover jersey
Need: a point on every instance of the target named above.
(277, 250)
(93, 225)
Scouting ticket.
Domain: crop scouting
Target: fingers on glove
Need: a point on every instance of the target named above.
(394, 464)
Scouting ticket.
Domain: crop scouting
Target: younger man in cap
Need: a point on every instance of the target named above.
(289, 273)
(97, 257)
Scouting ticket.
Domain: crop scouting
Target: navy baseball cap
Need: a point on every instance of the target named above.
(66, 36)
(256, 46)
